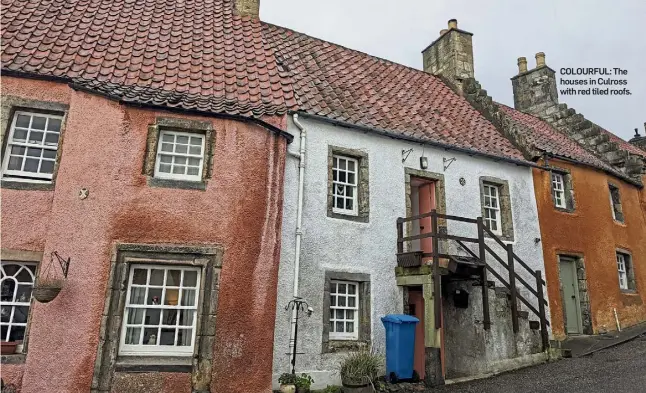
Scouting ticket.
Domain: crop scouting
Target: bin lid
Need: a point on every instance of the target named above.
(399, 318)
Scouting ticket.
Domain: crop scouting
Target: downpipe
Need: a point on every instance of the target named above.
(299, 233)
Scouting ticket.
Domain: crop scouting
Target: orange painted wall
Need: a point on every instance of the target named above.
(591, 232)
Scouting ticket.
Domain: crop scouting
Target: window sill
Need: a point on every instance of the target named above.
(506, 239)
(334, 346)
(358, 218)
(17, 358)
(620, 223)
(178, 184)
(564, 210)
(25, 185)
(629, 292)
(167, 364)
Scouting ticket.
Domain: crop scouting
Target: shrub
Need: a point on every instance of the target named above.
(360, 366)
(304, 381)
(287, 379)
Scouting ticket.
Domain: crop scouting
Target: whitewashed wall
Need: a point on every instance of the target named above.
(342, 245)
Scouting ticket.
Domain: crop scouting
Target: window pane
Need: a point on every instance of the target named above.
(196, 141)
(171, 297)
(154, 296)
(339, 327)
(17, 333)
(190, 278)
(173, 278)
(349, 327)
(180, 160)
(54, 125)
(5, 332)
(168, 137)
(51, 154)
(186, 317)
(188, 297)
(20, 314)
(19, 134)
(164, 168)
(135, 315)
(341, 288)
(150, 336)
(5, 313)
(341, 301)
(184, 337)
(339, 314)
(15, 163)
(351, 165)
(178, 170)
(137, 295)
(38, 122)
(332, 301)
(132, 335)
(341, 164)
(349, 314)
(169, 317)
(194, 161)
(140, 276)
(195, 150)
(51, 139)
(182, 139)
(181, 149)
(31, 165)
(351, 302)
(192, 171)
(23, 294)
(36, 137)
(156, 277)
(352, 289)
(167, 147)
(167, 337)
(23, 121)
(348, 204)
(166, 159)
(152, 316)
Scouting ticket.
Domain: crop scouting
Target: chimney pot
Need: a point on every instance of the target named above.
(453, 24)
(540, 59)
(637, 133)
(522, 65)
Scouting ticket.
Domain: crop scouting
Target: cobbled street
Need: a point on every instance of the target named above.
(619, 369)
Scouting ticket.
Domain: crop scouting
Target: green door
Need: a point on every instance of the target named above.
(570, 293)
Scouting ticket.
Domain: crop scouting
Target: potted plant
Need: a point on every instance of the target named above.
(8, 347)
(303, 383)
(287, 383)
(359, 370)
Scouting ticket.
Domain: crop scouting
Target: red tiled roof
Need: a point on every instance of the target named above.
(632, 149)
(350, 86)
(546, 138)
(190, 54)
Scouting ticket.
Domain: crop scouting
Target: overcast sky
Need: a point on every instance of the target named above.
(572, 33)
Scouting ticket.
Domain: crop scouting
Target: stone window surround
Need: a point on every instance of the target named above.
(365, 312)
(440, 201)
(584, 298)
(22, 256)
(506, 216)
(363, 184)
(11, 104)
(630, 271)
(570, 202)
(619, 218)
(181, 125)
(209, 258)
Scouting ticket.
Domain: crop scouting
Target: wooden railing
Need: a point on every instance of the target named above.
(512, 262)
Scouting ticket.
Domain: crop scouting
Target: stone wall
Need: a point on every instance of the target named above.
(450, 55)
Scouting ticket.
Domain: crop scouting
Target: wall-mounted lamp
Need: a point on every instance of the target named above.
(423, 162)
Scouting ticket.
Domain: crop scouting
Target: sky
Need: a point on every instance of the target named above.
(572, 33)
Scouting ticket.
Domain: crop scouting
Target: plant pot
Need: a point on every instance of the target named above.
(357, 385)
(47, 291)
(302, 390)
(9, 347)
(288, 388)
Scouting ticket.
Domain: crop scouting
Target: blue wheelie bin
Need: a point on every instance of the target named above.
(400, 345)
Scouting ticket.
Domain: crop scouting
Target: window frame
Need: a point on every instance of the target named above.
(187, 155)
(628, 271)
(21, 175)
(342, 336)
(13, 304)
(158, 349)
(613, 206)
(557, 179)
(354, 186)
(622, 269)
(498, 209)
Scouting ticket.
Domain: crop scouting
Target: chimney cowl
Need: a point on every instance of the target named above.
(540, 59)
(453, 24)
(522, 65)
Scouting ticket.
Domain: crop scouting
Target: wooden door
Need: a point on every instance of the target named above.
(416, 309)
(570, 293)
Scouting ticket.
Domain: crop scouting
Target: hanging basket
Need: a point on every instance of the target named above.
(47, 290)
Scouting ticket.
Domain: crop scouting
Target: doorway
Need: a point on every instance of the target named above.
(422, 195)
(571, 296)
(416, 309)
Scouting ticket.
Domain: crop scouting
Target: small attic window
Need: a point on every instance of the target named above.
(615, 204)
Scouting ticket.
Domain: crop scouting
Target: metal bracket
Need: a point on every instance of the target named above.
(407, 152)
(449, 160)
(64, 263)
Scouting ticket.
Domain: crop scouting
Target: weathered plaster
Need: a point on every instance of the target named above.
(103, 151)
(341, 245)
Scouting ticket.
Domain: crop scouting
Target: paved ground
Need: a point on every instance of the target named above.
(617, 370)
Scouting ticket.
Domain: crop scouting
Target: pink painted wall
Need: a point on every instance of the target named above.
(103, 151)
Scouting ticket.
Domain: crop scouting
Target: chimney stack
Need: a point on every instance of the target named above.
(535, 90)
(638, 140)
(450, 55)
(247, 8)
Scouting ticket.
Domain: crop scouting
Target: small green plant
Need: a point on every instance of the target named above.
(332, 389)
(287, 379)
(360, 366)
(304, 381)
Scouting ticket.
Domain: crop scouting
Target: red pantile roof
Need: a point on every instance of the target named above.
(350, 86)
(544, 137)
(632, 149)
(190, 54)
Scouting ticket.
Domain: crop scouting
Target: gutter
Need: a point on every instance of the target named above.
(80, 87)
(394, 135)
(298, 232)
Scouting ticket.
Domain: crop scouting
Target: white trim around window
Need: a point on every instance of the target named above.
(345, 172)
(160, 316)
(558, 190)
(17, 282)
(492, 217)
(32, 146)
(180, 155)
(344, 310)
(622, 271)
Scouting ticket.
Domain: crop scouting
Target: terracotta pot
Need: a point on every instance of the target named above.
(288, 388)
(9, 347)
